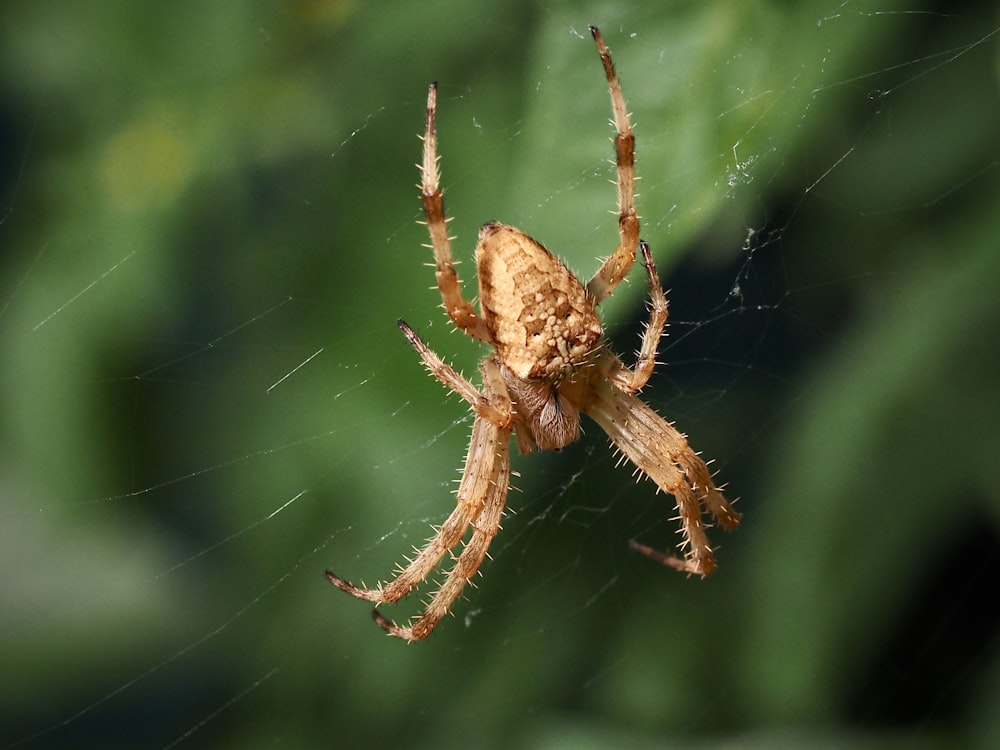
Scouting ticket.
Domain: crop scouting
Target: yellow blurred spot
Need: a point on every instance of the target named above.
(144, 166)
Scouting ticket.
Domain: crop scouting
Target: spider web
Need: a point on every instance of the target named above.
(209, 231)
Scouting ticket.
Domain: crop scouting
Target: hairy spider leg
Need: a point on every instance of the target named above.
(460, 310)
(495, 407)
(481, 499)
(616, 266)
(635, 429)
(632, 381)
(484, 491)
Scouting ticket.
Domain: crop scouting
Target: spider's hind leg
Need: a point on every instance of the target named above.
(617, 265)
(458, 308)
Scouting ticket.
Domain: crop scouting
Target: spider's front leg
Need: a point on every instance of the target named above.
(482, 495)
(663, 454)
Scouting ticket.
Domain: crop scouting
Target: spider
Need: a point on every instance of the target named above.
(548, 364)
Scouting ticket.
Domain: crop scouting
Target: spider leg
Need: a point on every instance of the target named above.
(482, 495)
(489, 465)
(697, 473)
(448, 535)
(633, 380)
(661, 452)
(617, 265)
(497, 408)
(460, 310)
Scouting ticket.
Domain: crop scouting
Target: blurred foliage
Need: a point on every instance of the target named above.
(208, 230)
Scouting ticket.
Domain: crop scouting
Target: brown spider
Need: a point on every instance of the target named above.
(548, 364)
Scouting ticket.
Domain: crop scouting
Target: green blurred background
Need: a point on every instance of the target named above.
(208, 230)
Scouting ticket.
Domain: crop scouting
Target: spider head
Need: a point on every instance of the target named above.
(542, 321)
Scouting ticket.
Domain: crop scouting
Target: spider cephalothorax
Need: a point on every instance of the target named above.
(548, 364)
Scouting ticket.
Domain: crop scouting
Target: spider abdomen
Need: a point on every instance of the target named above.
(542, 321)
